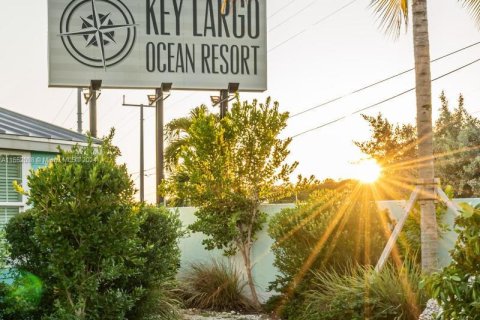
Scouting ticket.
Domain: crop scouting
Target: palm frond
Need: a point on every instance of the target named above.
(473, 6)
(392, 15)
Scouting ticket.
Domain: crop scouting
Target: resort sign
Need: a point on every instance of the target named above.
(194, 44)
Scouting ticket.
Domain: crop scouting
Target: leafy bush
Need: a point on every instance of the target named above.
(334, 228)
(98, 253)
(160, 230)
(217, 286)
(457, 287)
(361, 293)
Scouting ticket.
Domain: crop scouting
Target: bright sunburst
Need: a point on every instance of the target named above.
(367, 171)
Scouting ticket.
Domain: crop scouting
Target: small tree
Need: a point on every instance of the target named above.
(227, 168)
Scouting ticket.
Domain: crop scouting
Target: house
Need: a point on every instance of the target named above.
(26, 144)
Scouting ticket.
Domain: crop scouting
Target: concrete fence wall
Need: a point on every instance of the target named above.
(264, 271)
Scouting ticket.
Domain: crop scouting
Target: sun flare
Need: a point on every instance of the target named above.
(367, 171)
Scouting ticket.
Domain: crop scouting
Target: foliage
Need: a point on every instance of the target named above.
(304, 187)
(362, 293)
(216, 285)
(159, 232)
(394, 147)
(456, 139)
(226, 168)
(3, 250)
(457, 286)
(95, 250)
(333, 228)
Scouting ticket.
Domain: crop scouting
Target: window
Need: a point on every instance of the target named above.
(11, 202)
(6, 213)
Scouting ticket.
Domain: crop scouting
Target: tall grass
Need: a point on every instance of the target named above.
(362, 293)
(216, 285)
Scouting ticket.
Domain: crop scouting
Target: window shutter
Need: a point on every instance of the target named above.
(7, 213)
(10, 170)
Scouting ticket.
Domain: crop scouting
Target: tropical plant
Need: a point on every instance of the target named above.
(362, 293)
(334, 228)
(216, 285)
(457, 286)
(226, 168)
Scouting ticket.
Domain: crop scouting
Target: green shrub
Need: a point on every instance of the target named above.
(334, 228)
(216, 286)
(98, 254)
(361, 293)
(457, 286)
(160, 231)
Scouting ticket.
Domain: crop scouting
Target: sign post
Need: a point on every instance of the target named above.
(160, 139)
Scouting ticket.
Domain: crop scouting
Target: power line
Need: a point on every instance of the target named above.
(63, 106)
(282, 8)
(293, 16)
(383, 101)
(313, 25)
(380, 82)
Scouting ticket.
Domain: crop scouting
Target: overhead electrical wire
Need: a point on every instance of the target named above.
(324, 18)
(379, 82)
(383, 101)
(64, 105)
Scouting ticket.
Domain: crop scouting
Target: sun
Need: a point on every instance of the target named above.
(367, 171)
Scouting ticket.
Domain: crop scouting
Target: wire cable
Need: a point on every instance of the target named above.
(383, 101)
(313, 25)
(380, 82)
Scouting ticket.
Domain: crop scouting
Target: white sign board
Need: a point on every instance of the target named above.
(193, 44)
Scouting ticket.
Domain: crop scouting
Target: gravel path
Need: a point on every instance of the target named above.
(204, 315)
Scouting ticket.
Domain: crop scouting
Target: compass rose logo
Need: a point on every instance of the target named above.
(98, 33)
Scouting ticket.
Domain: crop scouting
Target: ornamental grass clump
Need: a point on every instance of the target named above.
(215, 285)
(361, 293)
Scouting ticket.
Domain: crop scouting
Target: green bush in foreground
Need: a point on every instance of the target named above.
(216, 285)
(361, 293)
(98, 254)
(457, 287)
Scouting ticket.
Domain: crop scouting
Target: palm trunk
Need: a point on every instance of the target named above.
(425, 135)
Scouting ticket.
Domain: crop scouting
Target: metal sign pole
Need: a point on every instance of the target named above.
(159, 145)
(79, 110)
(160, 139)
(223, 103)
(95, 86)
(142, 158)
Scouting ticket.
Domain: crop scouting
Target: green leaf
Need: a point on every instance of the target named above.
(467, 210)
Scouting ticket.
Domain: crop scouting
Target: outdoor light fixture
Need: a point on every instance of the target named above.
(152, 99)
(166, 87)
(87, 95)
(215, 100)
(233, 87)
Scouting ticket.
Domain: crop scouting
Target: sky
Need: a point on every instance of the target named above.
(317, 52)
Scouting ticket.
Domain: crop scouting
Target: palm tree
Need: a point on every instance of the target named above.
(394, 14)
(176, 136)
